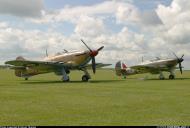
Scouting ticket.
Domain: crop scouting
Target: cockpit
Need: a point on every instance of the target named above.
(156, 59)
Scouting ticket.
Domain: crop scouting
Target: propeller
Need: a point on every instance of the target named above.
(179, 60)
(93, 54)
(86, 45)
(46, 53)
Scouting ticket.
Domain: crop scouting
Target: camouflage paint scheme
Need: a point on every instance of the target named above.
(153, 66)
(60, 64)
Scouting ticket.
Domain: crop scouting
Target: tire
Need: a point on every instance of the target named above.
(85, 78)
(171, 77)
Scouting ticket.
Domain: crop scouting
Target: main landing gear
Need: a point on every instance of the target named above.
(171, 77)
(85, 77)
(161, 77)
(65, 78)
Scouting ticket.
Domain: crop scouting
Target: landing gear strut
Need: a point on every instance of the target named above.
(161, 77)
(172, 74)
(65, 78)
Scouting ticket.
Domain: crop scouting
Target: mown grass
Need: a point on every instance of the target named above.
(105, 100)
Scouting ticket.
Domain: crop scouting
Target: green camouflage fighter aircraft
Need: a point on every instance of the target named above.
(156, 66)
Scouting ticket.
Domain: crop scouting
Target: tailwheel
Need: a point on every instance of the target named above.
(85, 78)
(171, 77)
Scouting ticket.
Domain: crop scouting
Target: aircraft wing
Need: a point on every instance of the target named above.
(156, 67)
(146, 68)
(19, 64)
(98, 65)
(16, 64)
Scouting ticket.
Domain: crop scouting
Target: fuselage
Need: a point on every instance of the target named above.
(152, 66)
(162, 64)
(75, 59)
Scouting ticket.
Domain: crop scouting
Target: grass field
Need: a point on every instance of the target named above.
(105, 100)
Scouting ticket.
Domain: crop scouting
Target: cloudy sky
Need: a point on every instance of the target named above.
(129, 29)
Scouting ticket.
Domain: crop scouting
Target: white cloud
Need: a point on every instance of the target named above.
(32, 43)
(124, 13)
(72, 14)
(22, 8)
(89, 26)
(176, 20)
(178, 12)
(133, 41)
(179, 34)
(130, 14)
(127, 13)
(89, 20)
(3, 24)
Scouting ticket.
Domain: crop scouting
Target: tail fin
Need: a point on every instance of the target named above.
(120, 69)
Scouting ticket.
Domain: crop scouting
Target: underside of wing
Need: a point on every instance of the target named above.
(145, 69)
(25, 68)
(27, 63)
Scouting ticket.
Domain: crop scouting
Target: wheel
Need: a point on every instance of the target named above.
(65, 80)
(171, 77)
(85, 78)
(26, 78)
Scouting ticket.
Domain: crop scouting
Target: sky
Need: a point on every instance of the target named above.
(128, 29)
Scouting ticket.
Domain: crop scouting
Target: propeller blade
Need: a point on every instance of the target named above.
(182, 56)
(86, 45)
(94, 65)
(46, 53)
(93, 53)
(175, 55)
(100, 48)
(179, 61)
(180, 67)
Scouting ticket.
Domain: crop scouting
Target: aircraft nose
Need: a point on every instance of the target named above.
(180, 60)
(93, 53)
